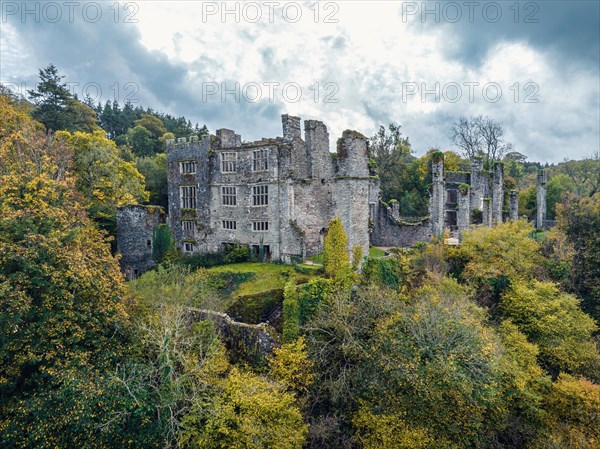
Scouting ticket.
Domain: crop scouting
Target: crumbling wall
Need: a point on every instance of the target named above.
(249, 342)
(464, 209)
(392, 231)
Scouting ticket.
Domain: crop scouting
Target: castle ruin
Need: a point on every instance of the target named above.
(275, 195)
(278, 195)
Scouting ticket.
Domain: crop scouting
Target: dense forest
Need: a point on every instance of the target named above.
(490, 344)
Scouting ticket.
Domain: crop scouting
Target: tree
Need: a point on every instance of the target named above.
(290, 366)
(492, 136)
(104, 179)
(480, 136)
(336, 259)
(433, 366)
(141, 141)
(573, 415)
(554, 321)
(579, 219)
(152, 124)
(57, 108)
(249, 412)
(466, 136)
(162, 242)
(154, 171)
(385, 142)
(62, 307)
(52, 99)
(495, 257)
(585, 174)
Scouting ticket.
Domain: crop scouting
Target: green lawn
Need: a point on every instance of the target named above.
(255, 289)
(317, 258)
(259, 277)
(375, 252)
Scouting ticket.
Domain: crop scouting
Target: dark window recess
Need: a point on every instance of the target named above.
(452, 197)
(451, 218)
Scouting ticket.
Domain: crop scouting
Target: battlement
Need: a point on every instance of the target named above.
(181, 141)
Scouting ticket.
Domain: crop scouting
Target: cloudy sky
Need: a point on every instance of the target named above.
(533, 66)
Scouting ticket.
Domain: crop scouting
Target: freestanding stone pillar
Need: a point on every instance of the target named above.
(487, 212)
(478, 181)
(514, 205)
(542, 180)
(438, 194)
(463, 218)
(497, 192)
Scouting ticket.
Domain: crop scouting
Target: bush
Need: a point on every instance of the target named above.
(382, 272)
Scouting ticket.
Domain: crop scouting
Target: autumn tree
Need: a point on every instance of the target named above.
(432, 375)
(579, 220)
(336, 259)
(103, 178)
(248, 412)
(62, 306)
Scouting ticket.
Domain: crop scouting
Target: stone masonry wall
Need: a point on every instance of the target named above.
(135, 227)
(390, 231)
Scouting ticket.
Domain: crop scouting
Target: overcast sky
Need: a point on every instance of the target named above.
(532, 66)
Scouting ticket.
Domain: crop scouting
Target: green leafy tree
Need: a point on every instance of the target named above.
(249, 412)
(52, 99)
(57, 108)
(162, 242)
(104, 179)
(434, 367)
(555, 322)
(336, 259)
(154, 170)
(579, 220)
(141, 141)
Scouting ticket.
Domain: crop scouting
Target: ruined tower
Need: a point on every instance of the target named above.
(135, 229)
(351, 192)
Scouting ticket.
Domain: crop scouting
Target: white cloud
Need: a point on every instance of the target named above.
(370, 54)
